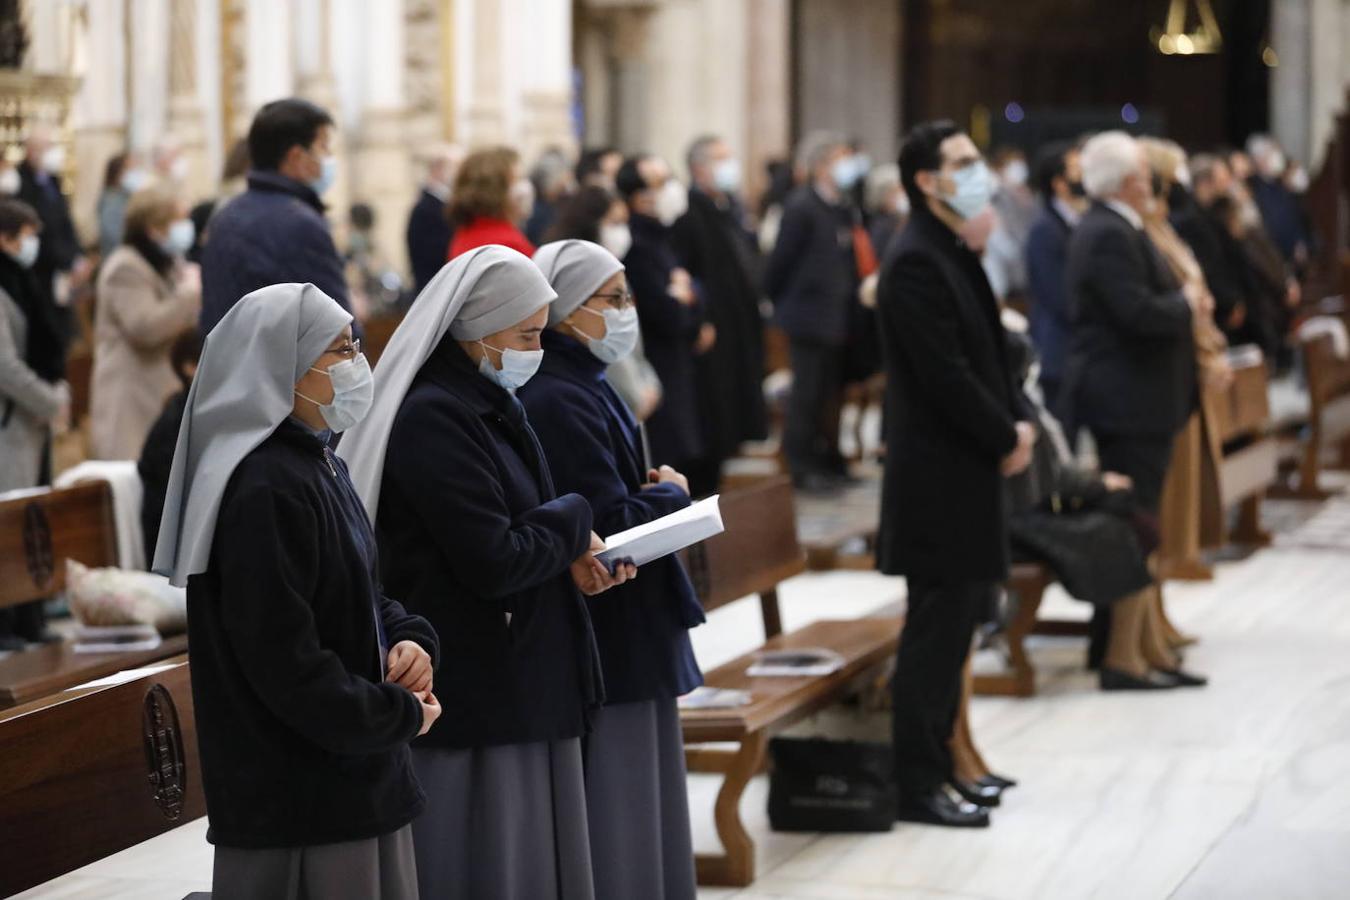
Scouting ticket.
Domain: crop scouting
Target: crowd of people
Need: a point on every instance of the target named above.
(411, 670)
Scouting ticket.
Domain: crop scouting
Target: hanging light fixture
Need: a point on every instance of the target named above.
(1173, 38)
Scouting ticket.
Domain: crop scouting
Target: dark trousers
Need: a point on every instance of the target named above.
(1142, 457)
(811, 432)
(926, 694)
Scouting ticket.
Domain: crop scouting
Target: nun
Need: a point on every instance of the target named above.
(636, 794)
(474, 536)
(308, 684)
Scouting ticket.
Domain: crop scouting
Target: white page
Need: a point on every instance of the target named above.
(664, 536)
(123, 677)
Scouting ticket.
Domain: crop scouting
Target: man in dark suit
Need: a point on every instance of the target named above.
(429, 230)
(954, 429)
(812, 278)
(61, 268)
(1132, 363)
(1060, 182)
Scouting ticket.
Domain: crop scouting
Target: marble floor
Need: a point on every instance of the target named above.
(1239, 790)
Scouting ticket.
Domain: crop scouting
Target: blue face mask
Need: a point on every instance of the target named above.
(621, 334)
(518, 367)
(974, 190)
(181, 235)
(327, 175)
(28, 251)
(845, 172)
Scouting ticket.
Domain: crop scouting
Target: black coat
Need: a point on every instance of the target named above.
(1132, 363)
(273, 233)
(429, 235)
(720, 254)
(155, 464)
(1047, 253)
(473, 536)
(59, 247)
(594, 449)
(669, 331)
(812, 274)
(951, 410)
(1225, 268)
(301, 740)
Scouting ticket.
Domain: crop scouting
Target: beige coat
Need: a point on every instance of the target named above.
(139, 317)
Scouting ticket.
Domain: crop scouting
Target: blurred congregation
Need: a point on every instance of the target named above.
(373, 320)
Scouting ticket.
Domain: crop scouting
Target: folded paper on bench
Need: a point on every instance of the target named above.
(663, 536)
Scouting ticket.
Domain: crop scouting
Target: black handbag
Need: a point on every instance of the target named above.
(823, 785)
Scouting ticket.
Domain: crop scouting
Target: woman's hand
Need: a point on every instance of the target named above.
(431, 710)
(592, 577)
(409, 667)
(1114, 481)
(666, 475)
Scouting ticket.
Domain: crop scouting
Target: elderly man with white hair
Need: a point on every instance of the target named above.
(429, 232)
(1131, 377)
(1280, 208)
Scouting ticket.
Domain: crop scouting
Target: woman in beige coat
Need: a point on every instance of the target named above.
(147, 296)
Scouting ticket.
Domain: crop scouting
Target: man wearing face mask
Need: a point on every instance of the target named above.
(1280, 209)
(812, 277)
(1059, 179)
(275, 232)
(1131, 375)
(674, 330)
(956, 425)
(429, 232)
(713, 242)
(61, 268)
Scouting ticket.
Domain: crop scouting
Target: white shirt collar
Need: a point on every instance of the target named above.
(1127, 212)
(1066, 212)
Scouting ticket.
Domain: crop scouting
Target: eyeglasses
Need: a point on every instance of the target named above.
(349, 350)
(619, 299)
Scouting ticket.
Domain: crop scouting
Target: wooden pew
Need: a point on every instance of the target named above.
(1250, 463)
(1328, 415)
(39, 531)
(758, 550)
(93, 771)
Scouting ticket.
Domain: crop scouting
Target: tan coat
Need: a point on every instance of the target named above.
(139, 317)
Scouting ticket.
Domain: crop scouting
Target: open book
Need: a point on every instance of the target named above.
(663, 536)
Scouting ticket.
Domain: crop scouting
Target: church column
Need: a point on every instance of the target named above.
(186, 124)
(383, 173)
(543, 61)
(312, 48)
(478, 40)
(99, 113)
(1307, 88)
(768, 119)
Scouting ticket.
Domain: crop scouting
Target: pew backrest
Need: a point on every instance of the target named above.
(41, 529)
(756, 552)
(1245, 409)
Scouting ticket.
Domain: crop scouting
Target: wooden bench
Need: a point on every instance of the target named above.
(90, 772)
(1250, 464)
(1328, 415)
(39, 530)
(758, 550)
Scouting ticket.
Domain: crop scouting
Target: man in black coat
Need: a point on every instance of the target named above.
(429, 230)
(812, 278)
(954, 430)
(713, 243)
(1131, 374)
(61, 268)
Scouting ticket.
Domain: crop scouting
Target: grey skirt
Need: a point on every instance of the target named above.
(506, 823)
(637, 803)
(381, 868)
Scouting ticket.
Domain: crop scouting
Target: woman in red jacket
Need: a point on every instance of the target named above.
(490, 199)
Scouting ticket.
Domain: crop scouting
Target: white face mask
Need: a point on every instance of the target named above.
(671, 202)
(1298, 180)
(54, 159)
(353, 392)
(522, 197)
(28, 251)
(1015, 173)
(518, 367)
(616, 238)
(1183, 176)
(181, 235)
(178, 170)
(10, 182)
(727, 175)
(974, 188)
(133, 180)
(621, 334)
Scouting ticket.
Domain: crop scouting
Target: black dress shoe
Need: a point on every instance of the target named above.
(817, 483)
(1116, 680)
(943, 805)
(980, 795)
(1185, 679)
(998, 781)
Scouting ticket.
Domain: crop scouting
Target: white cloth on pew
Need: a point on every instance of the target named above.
(1329, 325)
(127, 493)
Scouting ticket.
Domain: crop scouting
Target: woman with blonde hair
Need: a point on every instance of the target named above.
(147, 296)
(1190, 502)
(490, 201)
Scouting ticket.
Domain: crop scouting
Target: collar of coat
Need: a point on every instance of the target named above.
(568, 357)
(450, 367)
(276, 183)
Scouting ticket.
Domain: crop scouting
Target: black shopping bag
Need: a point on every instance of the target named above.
(823, 785)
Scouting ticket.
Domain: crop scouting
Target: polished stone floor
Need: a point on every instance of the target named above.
(1239, 790)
